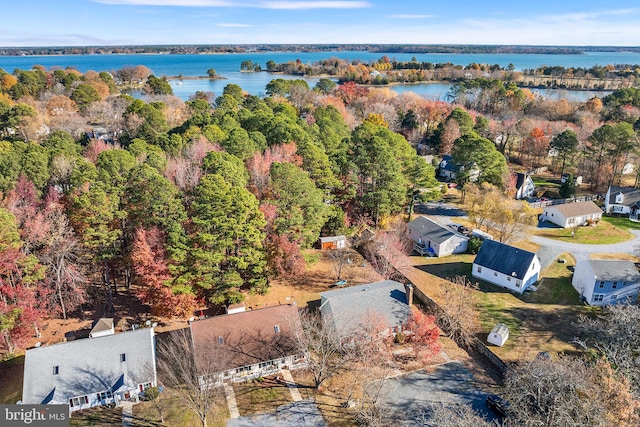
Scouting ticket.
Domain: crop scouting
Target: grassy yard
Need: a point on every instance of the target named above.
(145, 414)
(537, 321)
(602, 234)
(257, 397)
(621, 222)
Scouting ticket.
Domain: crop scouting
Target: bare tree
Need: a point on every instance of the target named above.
(459, 319)
(340, 258)
(389, 250)
(190, 372)
(615, 334)
(317, 338)
(452, 415)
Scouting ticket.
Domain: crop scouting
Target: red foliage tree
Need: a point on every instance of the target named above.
(21, 295)
(424, 334)
(259, 166)
(153, 277)
(350, 91)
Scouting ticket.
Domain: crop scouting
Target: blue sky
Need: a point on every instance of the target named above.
(124, 22)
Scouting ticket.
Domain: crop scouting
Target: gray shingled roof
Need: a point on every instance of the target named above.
(88, 366)
(426, 227)
(348, 307)
(631, 195)
(615, 270)
(504, 258)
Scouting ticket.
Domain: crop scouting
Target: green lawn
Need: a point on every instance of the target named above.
(621, 222)
(602, 234)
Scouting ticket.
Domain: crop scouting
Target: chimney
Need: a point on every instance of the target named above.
(408, 289)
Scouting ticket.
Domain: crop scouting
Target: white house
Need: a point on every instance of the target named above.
(506, 266)
(449, 170)
(433, 239)
(572, 214)
(524, 186)
(103, 327)
(604, 282)
(623, 200)
(91, 372)
(498, 335)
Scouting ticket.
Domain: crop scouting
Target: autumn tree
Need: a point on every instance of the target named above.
(388, 252)
(21, 293)
(156, 285)
(423, 334)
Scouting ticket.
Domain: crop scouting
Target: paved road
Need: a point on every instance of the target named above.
(304, 413)
(550, 249)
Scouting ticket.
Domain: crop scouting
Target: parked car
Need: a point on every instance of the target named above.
(498, 405)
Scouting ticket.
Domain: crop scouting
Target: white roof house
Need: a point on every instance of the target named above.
(92, 371)
(572, 214)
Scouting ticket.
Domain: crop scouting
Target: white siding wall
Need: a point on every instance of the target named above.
(583, 280)
(505, 280)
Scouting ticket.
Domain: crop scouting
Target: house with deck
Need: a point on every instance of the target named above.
(351, 309)
(507, 266)
(623, 201)
(432, 239)
(605, 282)
(91, 372)
(248, 344)
(569, 215)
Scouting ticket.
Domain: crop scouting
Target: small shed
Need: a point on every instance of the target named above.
(499, 335)
(333, 242)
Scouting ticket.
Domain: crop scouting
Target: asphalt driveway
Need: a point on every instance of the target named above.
(408, 396)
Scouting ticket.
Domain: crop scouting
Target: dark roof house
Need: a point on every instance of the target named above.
(348, 307)
(434, 239)
(507, 266)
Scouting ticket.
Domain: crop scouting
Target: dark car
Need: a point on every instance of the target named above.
(498, 404)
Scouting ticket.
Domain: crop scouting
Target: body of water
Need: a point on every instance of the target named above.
(228, 66)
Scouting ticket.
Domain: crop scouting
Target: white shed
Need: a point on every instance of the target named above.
(498, 335)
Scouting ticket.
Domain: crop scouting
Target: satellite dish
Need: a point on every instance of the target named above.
(154, 324)
(148, 322)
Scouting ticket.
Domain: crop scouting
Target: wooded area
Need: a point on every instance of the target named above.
(183, 205)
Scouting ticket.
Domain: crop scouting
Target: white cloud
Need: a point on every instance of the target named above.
(299, 5)
(409, 16)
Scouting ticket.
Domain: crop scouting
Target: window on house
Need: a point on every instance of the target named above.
(624, 283)
(614, 296)
(508, 278)
(479, 269)
(495, 274)
(598, 297)
(78, 401)
(601, 285)
(144, 386)
(105, 395)
(276, 328)
(123, 357)
(519, 283)
(56, 370)
(615, 285)
(220, 340)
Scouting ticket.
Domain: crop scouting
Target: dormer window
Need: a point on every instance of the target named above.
(619, 198)
(220, 340)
